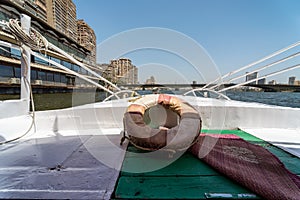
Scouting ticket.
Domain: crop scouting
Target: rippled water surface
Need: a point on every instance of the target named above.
(64, 100)
(288, 99)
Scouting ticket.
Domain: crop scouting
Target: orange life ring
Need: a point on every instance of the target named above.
(178, 137)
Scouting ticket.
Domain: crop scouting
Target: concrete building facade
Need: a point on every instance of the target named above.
(121, 71)
(262, 81)
(292, 80)
(41, 9)
(252, 76)
(61, 15)
(150, 80)
(44, 76)
(87, 38)
(297, 82)
(272, 82)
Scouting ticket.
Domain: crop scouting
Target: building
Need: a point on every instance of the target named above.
(87, 38)
(151, 80)
(262, 81)
(121, 71)
(272, 82)
(41, 9)
(297, 82)
(292, 80)
(43, 74)
(251, 76)
(29, 5)
(61, 15)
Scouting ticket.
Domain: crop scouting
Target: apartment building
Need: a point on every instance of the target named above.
(121, 71)
(61, 15)
(87, 38)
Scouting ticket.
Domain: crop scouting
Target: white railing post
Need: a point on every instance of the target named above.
(25, 63)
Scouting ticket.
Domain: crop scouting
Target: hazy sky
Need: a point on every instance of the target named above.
(232, 32)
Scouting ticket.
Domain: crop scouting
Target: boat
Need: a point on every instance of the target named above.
(75, 153)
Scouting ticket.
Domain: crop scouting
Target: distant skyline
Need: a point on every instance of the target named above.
(233, 32)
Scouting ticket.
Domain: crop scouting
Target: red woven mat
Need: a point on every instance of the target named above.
(250, 165)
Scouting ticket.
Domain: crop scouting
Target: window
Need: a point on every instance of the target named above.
(66, 64)
(63, 78)
(40, 61)
(33, 74)
(70, 80)
(76, 68)
(17, 72)
(57, 77)
(15, 53)
(6, 71)
(50, 76)
(42, 75)
(55, 60)
(5, 51)
(83, 71)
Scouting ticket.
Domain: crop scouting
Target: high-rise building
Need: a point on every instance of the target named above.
(30, 6)
(122, 71)
(41, 9)
(272, 82)
(261, 81)
(87, 38)
(61, 15)
(292, 80)
(43, 73)
(252, 76)
(151, 80)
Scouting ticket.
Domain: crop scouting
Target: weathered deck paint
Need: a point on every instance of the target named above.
(190, 178)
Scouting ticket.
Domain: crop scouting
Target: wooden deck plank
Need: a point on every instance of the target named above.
(186, 165)
(176, 187)
(188, 177)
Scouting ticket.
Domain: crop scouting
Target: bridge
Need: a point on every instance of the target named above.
(264, 87)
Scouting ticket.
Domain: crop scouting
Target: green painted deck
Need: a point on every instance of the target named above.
(189, 177)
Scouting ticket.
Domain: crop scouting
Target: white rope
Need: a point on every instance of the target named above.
(32, 116)
(260, 69)
(253, 63)
(34, 40)
(24, 57)
(262, 77)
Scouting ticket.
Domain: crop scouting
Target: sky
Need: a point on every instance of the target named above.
(161, 36)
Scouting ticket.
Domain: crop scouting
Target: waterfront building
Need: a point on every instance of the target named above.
(252, 76)
(261, 81)
(272, 82)
(41, 9)
(121, 71)
(29, 5)
(292, 80)
(43, 75)
(61, 15)
(87, 38)
(297, 82)
(151, 80)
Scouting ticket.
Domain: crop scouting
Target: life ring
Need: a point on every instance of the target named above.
(179, 137)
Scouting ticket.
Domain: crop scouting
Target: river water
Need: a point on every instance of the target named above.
(288, 99)
(64, 100)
